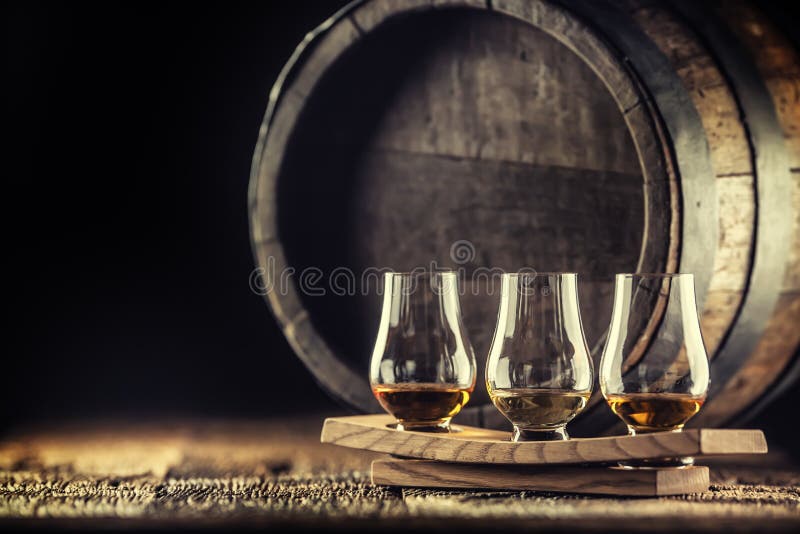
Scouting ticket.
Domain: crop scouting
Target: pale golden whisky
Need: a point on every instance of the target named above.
(653, 412)
(529, 408)
(422, 402)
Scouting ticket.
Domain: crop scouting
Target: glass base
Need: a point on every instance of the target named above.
(658, 463)
(544, 434)
(425, 426)
(638, 430)
(655, 463)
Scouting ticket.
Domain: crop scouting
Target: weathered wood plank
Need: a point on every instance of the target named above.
(481, 446)
(518, 96)
(514, 214)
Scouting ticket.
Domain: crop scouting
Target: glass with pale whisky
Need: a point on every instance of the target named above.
(423, 366)
(539, 371)
(654, 371)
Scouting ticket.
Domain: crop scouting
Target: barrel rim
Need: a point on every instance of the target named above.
(771, 168)
(642, 122)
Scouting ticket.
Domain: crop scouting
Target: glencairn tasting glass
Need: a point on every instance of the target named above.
(654, 369)
(539, 371)
(423, 365)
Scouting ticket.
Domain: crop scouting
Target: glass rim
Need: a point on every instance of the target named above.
(422, 272)
(653, 275)
(540, 273)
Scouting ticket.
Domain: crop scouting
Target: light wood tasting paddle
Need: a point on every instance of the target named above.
(473, 457)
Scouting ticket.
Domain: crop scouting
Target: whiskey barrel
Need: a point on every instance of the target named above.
(591, 136)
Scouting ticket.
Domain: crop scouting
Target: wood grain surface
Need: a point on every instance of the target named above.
(480, 445)
(217, 474)
(779, 65)
(589, 480)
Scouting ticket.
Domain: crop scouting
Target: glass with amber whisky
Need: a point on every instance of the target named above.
(539, 371)
(654, 371)
(423, 366)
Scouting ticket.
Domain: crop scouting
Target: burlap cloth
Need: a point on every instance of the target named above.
(276, 473)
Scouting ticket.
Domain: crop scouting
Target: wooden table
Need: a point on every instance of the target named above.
(276, 473)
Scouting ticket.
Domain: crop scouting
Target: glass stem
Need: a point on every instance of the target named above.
(676, 461)
(550, 434)
(432, 426)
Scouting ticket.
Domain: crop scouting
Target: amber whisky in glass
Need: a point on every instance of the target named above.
(423, 366)
(539, 373)
(654, 371)
(420, 404)
(654, 412)
(530, 408)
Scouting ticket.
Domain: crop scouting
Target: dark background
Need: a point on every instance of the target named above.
(132, 130)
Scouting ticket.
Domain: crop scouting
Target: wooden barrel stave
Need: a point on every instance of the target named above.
(779, 67)
(731, 160)
(689, 149)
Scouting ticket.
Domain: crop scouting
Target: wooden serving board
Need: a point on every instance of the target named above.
(588, 480)
(472, 445)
